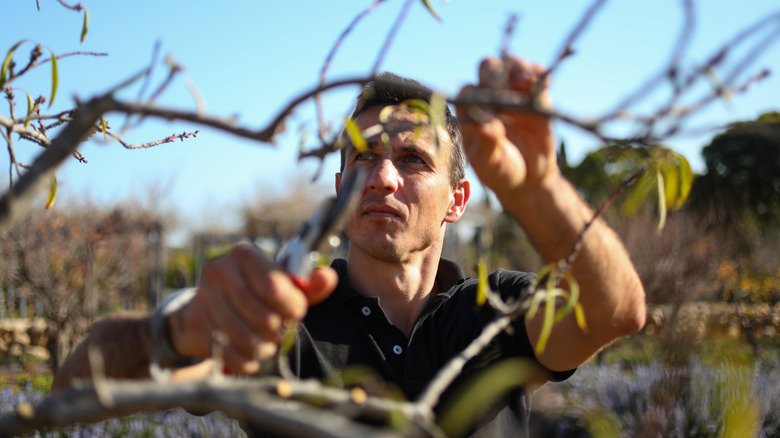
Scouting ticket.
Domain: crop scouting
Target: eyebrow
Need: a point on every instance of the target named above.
(407, 148)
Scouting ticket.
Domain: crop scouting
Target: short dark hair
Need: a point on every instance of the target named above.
(391, 89)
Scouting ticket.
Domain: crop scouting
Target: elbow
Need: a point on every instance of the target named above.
(635, 313)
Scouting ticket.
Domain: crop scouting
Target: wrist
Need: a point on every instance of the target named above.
(164, 352)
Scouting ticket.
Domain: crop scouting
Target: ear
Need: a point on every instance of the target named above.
(338, 182)
(460, 197)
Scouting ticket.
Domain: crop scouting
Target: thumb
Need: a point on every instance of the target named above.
(322, 282)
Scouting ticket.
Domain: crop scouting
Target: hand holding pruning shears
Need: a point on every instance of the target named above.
(249, 299)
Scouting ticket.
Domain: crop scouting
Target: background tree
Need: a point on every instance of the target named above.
(76, 265)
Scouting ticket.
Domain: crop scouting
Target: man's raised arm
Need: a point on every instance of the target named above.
(514, 154)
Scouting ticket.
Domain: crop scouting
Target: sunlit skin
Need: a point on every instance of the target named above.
(397, 229)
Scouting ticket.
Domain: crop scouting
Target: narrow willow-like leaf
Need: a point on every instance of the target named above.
(547, 324)
(686, 180)
(52, 191)
(30, 109)
(428, 6)
(85, 26)
(482, 283)
(536, 301)
(579, 313)
(574, 295)
(55, 78)
(460, 412)
(637, 194)
(661, 198)
(436, 115)
(288, 339)
(103, 126)
(355, 135)
(671, 174)
(7, 62)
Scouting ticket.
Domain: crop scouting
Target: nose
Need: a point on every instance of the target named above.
(383, 178)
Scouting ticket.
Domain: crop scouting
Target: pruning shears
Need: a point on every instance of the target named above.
(299, 255)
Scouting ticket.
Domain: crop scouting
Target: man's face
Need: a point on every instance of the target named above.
(407, 198)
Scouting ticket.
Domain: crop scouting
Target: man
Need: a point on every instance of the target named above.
(398, 307)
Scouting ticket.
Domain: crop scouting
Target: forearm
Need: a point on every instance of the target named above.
(123, 344)
(554, 216)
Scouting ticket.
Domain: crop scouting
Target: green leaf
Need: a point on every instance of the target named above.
(428, 6)
(436, 115)
(103, 126)
(547, 324)
(7, 62)
(355, 135)
(54, 78)
(30, 109)
(574, 295)
(52, 191)
(482, 283)
(637, 194)
(661, 198)
(579, 313)
(671, 178)
(686, 180)
(461, 411)
(85, 26)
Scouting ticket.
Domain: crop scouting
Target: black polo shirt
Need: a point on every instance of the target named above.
(349, 328)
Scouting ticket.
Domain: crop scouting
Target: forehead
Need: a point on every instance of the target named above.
(403, 126)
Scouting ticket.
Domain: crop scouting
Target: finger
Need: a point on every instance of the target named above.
(492, 73)
(322, 283)
(237, 333)
(272, 286)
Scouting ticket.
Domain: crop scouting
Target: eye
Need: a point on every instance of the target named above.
(416, 159)
(364, 156)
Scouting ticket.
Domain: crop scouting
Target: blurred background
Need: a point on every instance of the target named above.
(129, 227)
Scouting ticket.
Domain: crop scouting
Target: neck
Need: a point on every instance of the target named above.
(403, 288)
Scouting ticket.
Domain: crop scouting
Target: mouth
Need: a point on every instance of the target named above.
(381, 212)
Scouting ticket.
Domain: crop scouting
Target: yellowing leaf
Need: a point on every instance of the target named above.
(574, 295)
(85, 26)
(54, 78)
(686, 181)
(579, 313)
(103, 126)
(671, 176)
(661, 198)
(7, 62)
(52, 191)
(30, 108)
(637, 194)
(482, 283)
(547, 324)
(355, 135)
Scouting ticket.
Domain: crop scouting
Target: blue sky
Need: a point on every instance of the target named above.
(248, 59)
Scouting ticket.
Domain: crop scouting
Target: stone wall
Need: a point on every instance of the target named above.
(23, 337)
(695, 321)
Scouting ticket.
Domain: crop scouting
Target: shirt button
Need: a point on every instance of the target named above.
(366, 310)
(398, 350)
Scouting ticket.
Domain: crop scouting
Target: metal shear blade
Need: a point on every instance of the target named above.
(299, 255)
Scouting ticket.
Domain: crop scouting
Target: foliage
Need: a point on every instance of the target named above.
(77, 263)
(743, 172)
